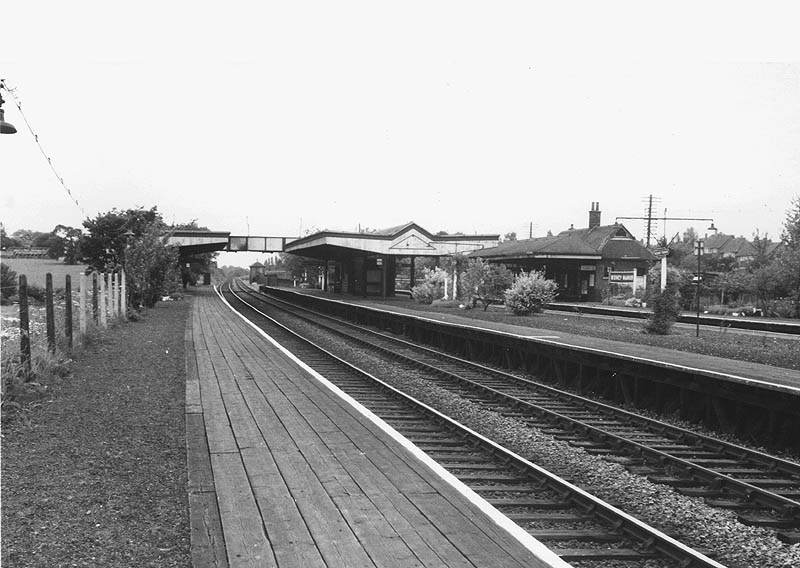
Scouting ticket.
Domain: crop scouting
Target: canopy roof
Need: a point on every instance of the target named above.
(404, 240)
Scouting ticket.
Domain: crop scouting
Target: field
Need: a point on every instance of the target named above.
(36, 270)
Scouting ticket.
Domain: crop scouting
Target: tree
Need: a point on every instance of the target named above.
(788, 260)
(7, 241)
(791, 226)
(300, 268)
(135, 239)
(8, 283)
(192, 266)
(65, 242)
(690, 235)
(109, 234)
(485, 282)
(529, 293)
(151, 267)
(512, 236)
(732, 285)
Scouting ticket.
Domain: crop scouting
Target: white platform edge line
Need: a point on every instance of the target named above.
(530, 543)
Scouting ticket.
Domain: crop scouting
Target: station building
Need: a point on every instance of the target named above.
(586, 263)
(380, 263)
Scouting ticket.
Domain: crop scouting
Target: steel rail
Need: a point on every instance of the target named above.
(648, 537)
(789, 509)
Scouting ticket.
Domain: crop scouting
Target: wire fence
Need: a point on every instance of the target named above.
(70, 317)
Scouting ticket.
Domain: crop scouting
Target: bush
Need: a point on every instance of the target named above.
(484, 282)
(529, 293)
(424, 293)
(432, 288)
(36, 293)
(8, 281)
(666, 309)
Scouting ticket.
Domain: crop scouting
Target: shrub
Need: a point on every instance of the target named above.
(485, 282)
(8, 281)
(529, 293)
(666, 309)
(431, 288)
(36, 293)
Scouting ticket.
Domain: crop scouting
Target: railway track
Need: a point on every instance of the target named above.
(762, 489)
(576, 525)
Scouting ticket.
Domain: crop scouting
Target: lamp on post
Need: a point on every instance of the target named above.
(699, 250)
(5, 127)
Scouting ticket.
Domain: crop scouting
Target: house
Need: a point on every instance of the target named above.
(728, 246)
(586, 263)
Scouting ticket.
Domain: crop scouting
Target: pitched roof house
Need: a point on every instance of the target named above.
(585, 263)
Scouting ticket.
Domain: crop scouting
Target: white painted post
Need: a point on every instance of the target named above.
(455, 279)
(663, 273)
(116, 294)
(635, 275)
(82, 306)
(102, 304)
(113, 296)
(124, 298)
(445, 286)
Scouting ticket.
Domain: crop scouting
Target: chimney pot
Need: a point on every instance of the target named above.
(594, 215)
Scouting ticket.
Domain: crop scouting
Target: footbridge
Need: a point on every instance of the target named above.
(197, 242)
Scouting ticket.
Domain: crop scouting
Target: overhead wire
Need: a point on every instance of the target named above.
(18, 104)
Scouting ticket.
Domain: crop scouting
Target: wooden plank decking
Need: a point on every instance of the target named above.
(283, 472)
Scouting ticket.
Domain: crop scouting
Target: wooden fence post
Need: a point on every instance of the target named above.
(82, 307)
(102, 303)
(68, 311)
(51, 319)
(24, 328)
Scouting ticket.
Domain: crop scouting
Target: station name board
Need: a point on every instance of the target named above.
(621, 276)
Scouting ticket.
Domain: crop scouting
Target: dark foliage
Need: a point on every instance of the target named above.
(666, 309)
(8, 281)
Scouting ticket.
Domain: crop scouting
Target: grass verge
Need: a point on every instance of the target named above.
(94, 474)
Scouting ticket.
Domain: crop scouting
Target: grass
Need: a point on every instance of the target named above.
(18, 389)
(36, 270)
(94, 473)
(760, 348)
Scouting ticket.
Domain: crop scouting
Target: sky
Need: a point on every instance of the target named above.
(277, 118)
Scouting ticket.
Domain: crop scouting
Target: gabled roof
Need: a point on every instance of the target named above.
(569, 245)
(574, 243)
(600, 235)
(403, 240)
(771, 248)
(391, 231)
(729, 245)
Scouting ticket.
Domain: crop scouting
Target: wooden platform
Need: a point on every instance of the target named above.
(285, 472)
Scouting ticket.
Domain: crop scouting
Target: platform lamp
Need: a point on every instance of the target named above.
(5, 127)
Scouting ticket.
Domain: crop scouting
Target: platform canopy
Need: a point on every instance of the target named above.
(406, 240)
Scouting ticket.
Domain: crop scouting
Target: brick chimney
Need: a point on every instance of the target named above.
(594, 215)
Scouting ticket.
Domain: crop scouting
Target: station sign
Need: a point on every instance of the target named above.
(622, 276)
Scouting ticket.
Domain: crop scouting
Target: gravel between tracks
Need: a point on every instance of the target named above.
(718, 531)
